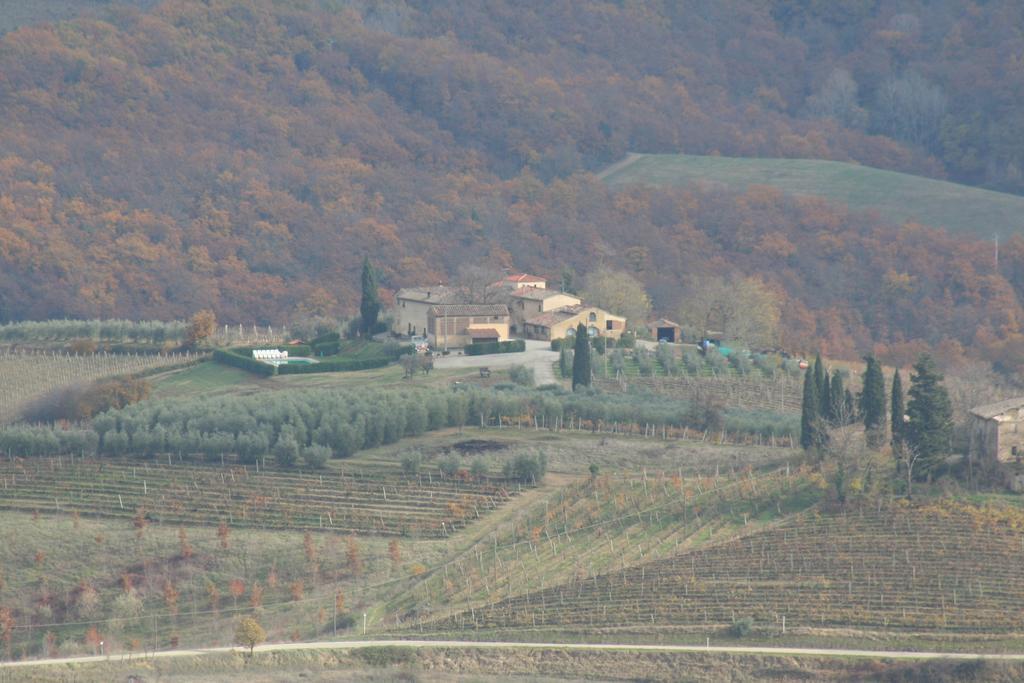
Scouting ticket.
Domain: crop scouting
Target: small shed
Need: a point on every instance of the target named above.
(483, 334)
(997, 430)
(666, 330)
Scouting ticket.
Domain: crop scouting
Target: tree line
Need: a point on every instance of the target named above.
(919, 430)
(309, 427)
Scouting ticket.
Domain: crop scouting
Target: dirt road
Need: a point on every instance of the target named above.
(538, 355)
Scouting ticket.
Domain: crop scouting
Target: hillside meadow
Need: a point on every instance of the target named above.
(897, 197)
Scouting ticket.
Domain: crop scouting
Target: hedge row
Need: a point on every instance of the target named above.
(244, 362)
(484, 348)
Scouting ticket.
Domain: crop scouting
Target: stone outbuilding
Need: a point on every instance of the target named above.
(997, 431)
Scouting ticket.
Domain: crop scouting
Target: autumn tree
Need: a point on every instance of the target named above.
(237, 589)
(249, 633)
(201, 327)
(479, 284)
(619, 293)
(369, 303)
(353, 556)
(581, 373)
(742, 309)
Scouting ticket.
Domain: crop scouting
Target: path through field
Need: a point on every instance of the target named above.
(355, 644)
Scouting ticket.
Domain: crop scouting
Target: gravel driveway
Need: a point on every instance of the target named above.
(538, 355)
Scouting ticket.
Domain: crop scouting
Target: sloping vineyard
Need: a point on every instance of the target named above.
(372, 502)
(756, 391)
(607, 524)
(25, 376)
(958, 570)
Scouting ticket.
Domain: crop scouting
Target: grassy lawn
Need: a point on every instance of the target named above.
(211, 378)
(898, 197)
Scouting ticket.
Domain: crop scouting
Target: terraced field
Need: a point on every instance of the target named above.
(936, 570)
(377, 501)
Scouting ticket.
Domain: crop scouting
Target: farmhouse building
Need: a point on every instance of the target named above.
(561, 322)
(457, 325)
(412, 305)
(666, 330)
(523, 280)
(997, 430)
(529, 302)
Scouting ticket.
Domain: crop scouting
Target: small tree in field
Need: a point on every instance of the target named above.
(249, 633)
(200, 328)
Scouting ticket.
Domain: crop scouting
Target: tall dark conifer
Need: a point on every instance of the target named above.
(872, 398)
(581, 358)
(819, 379)
(825, 399)
(369, 305)
(897, 410)
(809, 412)
(930, 426)
(837, 400)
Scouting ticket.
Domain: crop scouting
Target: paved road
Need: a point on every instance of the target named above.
(538, 355)
(352, 644)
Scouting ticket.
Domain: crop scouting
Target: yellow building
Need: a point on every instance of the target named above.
(562, 322)
(529, 302)
(453, 326)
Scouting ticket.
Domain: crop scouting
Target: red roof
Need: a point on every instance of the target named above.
(524, 277)
(484, 333)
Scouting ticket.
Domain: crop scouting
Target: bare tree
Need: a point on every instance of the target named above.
(910, 108)
(837, 99)
(479, 284)
(907, 456)
(743, 309)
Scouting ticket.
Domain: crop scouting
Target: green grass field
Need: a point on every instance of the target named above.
(898, 197)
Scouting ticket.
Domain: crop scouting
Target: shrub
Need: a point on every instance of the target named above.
(521, 375)
(244, 362)
(485, 348)
(316, 456)
(478, 468)
(286, 451)
(741, 628)
(627, 340)
(557, 344)
(600, 344)
(449, 466)
(526, 468)
(411, 462)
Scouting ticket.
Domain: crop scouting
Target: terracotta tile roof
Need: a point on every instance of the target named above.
(469, 309)
(992, 410)
(556, 316)
(439, 294)
(524, 278)
(483, 333)
(538, 294)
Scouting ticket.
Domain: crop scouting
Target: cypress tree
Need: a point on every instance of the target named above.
(897, 409)
(819, 379)
(872, 399)
(837, 400)
(825, 399)
(930, 428)
(851, 406)
(809, 415)
(581, 358)
(369, 305)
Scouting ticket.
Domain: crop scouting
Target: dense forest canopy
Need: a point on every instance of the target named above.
(245, 155)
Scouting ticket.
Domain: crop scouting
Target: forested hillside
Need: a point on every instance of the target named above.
(245, 155)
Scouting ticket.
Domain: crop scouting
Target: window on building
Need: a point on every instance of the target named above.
(592, 331)
(593, 317)
(571, 332)
(608, 325)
